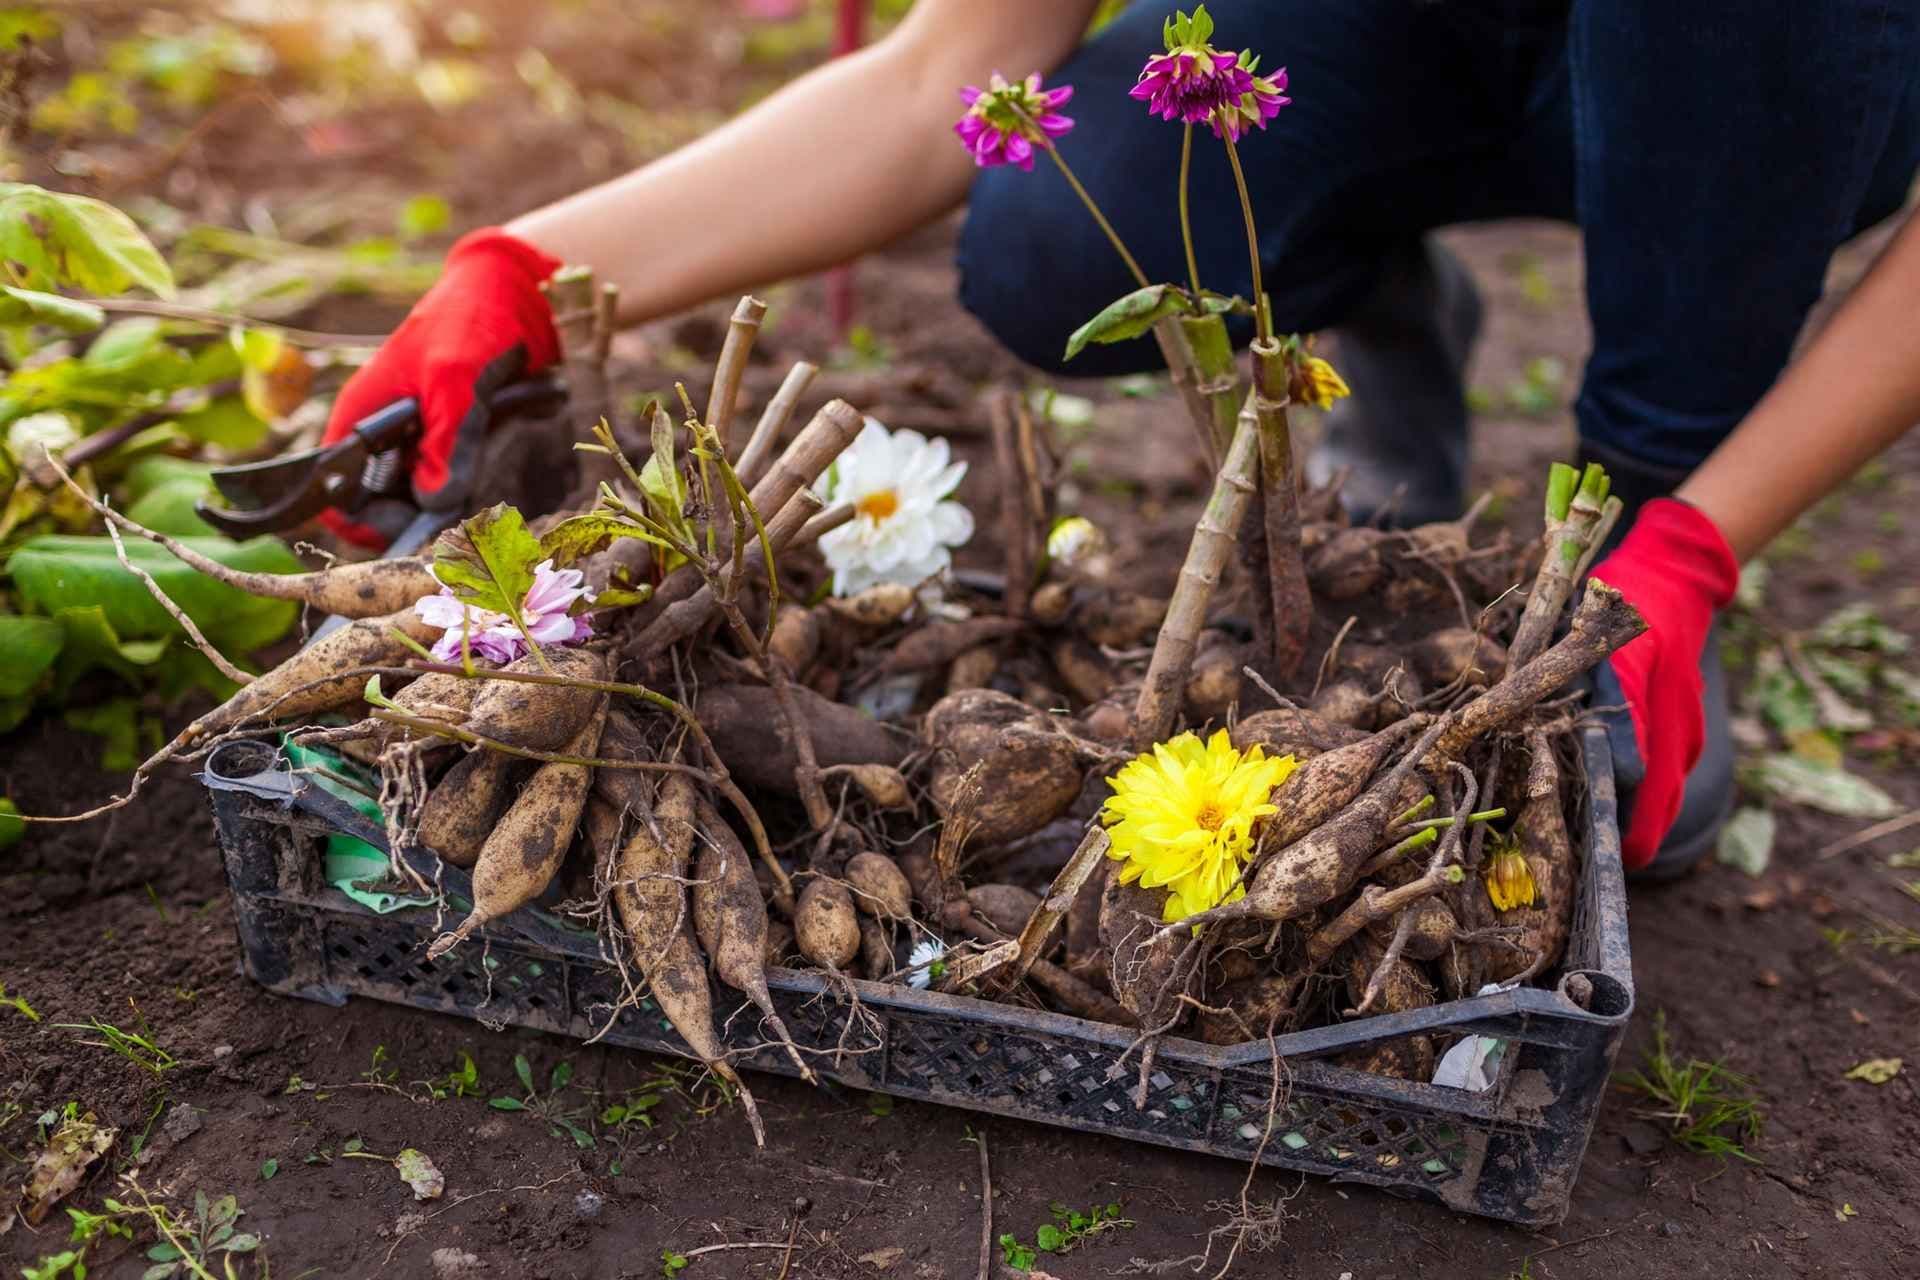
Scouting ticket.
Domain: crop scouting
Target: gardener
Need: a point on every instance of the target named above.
(1714, 157)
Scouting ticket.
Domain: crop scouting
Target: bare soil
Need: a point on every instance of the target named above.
(126, 920)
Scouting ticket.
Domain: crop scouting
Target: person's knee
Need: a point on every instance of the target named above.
(1033, 270)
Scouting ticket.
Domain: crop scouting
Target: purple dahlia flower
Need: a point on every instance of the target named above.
(1260, 103)
(1006, 122)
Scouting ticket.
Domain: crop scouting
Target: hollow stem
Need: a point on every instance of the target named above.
(1263, 317)
(1186, 221)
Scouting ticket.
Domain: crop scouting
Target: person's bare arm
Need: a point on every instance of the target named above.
(1853, 392)
(845, 159)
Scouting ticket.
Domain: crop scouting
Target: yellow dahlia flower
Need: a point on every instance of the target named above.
(1316, 382)
(1509, 878)
(1181, 816)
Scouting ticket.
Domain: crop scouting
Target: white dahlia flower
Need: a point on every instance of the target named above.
(904, 527)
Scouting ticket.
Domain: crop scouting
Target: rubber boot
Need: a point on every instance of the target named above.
(1709, 796)
(1403, 432)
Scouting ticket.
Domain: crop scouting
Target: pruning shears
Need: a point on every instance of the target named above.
(364, 465)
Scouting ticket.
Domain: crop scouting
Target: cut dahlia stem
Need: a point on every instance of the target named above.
(1603, 622)
(1218, 383)
(742, 329)
(773, 420)
(578, 316)
(1289, 597)
(1185, 376)
(824, 523)
(1573, 517)
(1053, 908)
(1219, 374)
(1610, 513)
(822, 440)
(1213, 541)
(687, 616)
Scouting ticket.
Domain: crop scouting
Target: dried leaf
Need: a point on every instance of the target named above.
(418, 1172)
(76, 1144)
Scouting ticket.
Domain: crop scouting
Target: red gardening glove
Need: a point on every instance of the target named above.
(484, 324)
(1677, 570)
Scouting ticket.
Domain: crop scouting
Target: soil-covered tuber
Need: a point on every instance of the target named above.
(752, 737)
(539, 717)
(1006, 785)
(523, 851)
(825, 926)
(879, 887)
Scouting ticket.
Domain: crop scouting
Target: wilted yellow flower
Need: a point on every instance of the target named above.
(1316, 382)
(1182, 815)
(1509, 878)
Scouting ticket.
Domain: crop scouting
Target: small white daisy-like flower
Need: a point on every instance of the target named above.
(905, 526)
(924, 960)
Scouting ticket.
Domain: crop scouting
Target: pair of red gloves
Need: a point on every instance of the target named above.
(486, 322)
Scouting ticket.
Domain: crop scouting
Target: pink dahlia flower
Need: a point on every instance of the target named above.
(1252, 109)
(1006, 122)
(1189, 85)
(492, 637)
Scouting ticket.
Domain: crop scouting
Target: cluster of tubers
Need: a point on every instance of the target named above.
(774, 812)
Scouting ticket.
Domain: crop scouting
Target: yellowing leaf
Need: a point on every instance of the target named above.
(1128, 316)
(577, 537)
(419, 1172)
(276, 390)
(1876, 1070)
(257, 348)
(57, 239)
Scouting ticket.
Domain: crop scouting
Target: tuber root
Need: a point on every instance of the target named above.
(463, 810)
(1010, 785)
(539, 717)
(753, 738)
(730, 917)
(825, 925)
(524, 849)
(652, 899)
(879, 887)
(320, 677)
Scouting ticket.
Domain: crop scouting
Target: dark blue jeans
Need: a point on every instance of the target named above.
(1714, 152)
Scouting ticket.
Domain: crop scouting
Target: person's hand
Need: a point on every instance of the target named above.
(1677, 570)
(485, 323)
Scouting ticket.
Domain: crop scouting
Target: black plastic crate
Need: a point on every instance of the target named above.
(1512, 1151)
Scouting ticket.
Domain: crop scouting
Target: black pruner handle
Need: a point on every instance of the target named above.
(267, 497)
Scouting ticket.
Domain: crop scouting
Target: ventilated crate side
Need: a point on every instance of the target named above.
(1512, 1152)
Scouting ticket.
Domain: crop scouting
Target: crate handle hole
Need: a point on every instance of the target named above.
(1611, 997)
(242, 759)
